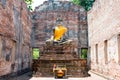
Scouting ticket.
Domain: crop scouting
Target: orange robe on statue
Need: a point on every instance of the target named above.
(59, 32)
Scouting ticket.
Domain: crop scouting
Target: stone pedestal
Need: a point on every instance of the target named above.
(60, 55)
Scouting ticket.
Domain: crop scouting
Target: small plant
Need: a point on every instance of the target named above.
(29, 4)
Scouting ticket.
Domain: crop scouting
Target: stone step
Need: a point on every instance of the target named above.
(74, 67)
(72, 71)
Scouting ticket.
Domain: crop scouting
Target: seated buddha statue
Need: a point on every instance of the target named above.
(59, 34)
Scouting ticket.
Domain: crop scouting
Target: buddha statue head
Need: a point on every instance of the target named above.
(59, 21)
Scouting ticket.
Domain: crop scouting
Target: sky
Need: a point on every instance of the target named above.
(37, 3)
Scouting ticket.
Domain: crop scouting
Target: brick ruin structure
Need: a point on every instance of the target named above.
(104, 38)
(15, 30)
(16, 42)
(44, 20)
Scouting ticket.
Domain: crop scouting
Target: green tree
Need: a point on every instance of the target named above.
(36, 53)
(29, 4)
(84, 53)
(76, 2)
(86, 4)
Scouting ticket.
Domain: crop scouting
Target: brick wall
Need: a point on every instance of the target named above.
(103, 28)
(15, 30)
(45, 16)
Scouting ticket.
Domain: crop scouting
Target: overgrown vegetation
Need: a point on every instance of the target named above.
(36, 53)
(84, 53)
(29, 4)
(86, 4)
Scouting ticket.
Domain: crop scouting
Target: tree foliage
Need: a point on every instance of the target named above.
(29, 4)
(84, 53)
(76, 2)
(86, 4)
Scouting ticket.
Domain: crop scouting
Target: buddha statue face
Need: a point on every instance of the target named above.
(59, 21)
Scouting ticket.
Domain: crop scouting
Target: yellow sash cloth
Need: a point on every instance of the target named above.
(59, 32)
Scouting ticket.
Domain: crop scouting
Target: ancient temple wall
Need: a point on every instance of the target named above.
(104, 40)
(45, 16)
(15, 30)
